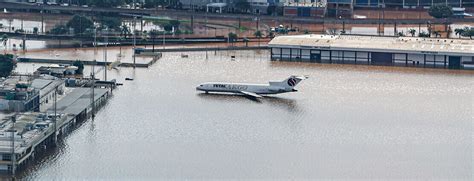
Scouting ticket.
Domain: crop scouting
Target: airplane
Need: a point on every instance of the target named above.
(253, 90)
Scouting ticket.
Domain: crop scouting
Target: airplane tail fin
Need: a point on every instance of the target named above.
(290, 82)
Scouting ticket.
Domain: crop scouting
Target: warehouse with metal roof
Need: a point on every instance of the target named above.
(375, 50)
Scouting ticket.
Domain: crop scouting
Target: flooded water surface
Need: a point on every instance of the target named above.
(346, 122)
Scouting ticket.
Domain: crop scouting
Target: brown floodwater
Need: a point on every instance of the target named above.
(346, 122)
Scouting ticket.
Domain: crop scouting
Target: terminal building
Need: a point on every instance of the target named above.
(375, 50)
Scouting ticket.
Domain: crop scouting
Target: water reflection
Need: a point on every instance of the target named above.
(287, 104)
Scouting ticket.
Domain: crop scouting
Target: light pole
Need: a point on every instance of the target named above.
(13, 157)
(105, 53)
(134, 40)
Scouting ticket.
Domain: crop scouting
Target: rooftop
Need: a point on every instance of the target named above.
(460, 47)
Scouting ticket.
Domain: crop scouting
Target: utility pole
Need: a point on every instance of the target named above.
(95, 40)
(55, 114)
(134, 39)
(92, 90)
(105, 53)
(13, 157)
(42, 18)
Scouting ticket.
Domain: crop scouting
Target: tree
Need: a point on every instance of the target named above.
(79, 65)
(6, 65)
(106, 3)
(124, 30)
(259, 35)
(4, 40)
(232, 37)
(59, 29)
(468, 32)
(242, 5)
(459, 31)
(423, 34)
(412, 32)
(439, 11)
(271, 34)
(113, 23)
(246, 40)
(168, 27)
(35, 30)
(80, 23)
(153, 34)
(175, 24)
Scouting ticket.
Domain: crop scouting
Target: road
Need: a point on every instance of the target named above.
(223, 16)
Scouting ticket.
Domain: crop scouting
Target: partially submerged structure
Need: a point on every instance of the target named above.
(375, 50)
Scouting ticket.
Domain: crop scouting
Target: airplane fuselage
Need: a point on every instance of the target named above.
(240, 87)
(253, 90)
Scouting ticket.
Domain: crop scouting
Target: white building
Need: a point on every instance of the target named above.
(47, 86)
(375, 50)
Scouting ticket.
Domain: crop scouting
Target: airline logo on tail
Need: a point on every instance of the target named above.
(292, 82)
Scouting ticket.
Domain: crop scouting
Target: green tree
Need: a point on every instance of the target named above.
(80, 23)
(6, 65)
(439, 11)
(259, 35)
(124, 31)
(79, 65)
(35, 30)
(168, 27)
(459, 31)
(113, 23)
(59, 29)
(106, 3)
(423, 34)
(412, 32)
(4, 40)
(232, 37)
(468, 32)
(163, 3)
(175, 24)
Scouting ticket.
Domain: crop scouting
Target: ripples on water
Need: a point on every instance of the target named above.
(346, 122)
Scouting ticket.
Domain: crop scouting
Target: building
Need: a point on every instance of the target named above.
(409, 4)
(305, 8)
(57, 70)
(48, 86)
(219, 6)
(206, 5)
(340, 8)
(375, 50)
(30, 130)
(16, 94)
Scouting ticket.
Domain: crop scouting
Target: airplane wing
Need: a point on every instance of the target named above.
(251, 94)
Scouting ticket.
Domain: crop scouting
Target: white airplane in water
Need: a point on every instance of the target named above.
(253, 90)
